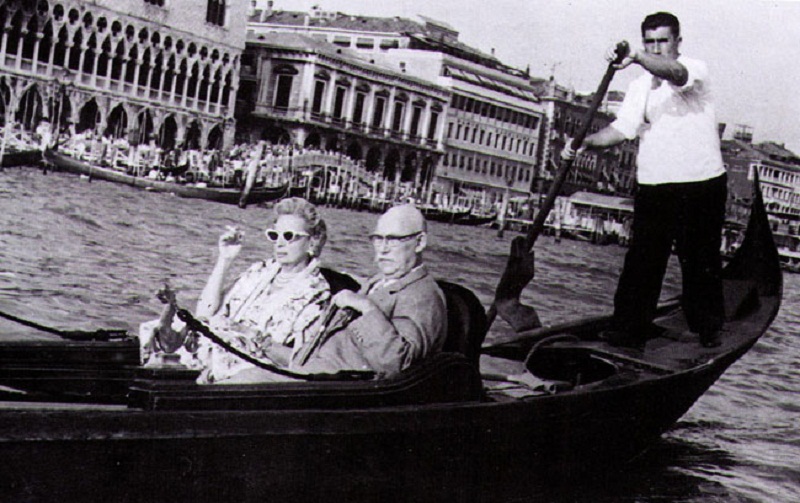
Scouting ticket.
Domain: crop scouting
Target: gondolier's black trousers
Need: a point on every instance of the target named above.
(690, 216)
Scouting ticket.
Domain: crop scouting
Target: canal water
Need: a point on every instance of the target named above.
(76, 254)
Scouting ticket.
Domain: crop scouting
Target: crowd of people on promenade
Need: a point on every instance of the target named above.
(269, 164)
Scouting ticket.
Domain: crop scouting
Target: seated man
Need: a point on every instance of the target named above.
(402, 312)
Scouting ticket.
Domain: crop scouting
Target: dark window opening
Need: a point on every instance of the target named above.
(284, 91)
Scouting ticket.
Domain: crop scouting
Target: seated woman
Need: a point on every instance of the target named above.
(270, 312)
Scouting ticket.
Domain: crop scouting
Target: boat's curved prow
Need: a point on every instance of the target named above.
(757, 258)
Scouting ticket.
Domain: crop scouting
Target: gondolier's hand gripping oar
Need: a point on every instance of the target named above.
(519, 269)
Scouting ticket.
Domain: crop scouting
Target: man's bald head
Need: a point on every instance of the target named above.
(400, 237)
(401, 220)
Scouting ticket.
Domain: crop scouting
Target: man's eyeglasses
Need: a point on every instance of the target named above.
(391, 241)
(287, 236)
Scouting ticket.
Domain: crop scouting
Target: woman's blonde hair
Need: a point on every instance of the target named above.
(314, 223)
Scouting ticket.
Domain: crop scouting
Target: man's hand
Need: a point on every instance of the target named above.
(568, 153)
(353, 300)
(612, 55)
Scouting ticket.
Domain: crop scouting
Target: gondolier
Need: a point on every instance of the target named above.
(682, 186)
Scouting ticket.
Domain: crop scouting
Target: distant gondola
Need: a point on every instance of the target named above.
(474, 219)
(194, 191)
(14, 158)
(80, 422)
(440, 214)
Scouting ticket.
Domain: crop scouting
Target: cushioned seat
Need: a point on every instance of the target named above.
(466, 317)
(466, 321)
(339, 280)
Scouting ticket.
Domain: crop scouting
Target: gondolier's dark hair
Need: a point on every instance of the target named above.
(660, 19)
(315, 225)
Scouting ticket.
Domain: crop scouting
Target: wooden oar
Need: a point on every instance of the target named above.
(520, 266)
(102, 334)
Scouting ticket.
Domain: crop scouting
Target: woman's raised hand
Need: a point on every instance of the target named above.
(230, 243)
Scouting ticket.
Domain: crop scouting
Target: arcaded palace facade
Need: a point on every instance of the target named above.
(163, 71)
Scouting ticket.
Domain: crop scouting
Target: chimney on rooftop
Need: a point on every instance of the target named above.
(266, 12)
(252, 9)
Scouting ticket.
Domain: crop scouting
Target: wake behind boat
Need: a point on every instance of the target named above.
(258, 194)
(82, 422)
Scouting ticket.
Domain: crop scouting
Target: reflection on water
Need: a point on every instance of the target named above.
(82, 255)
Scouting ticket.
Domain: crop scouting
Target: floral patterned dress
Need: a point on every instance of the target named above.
(259, 310)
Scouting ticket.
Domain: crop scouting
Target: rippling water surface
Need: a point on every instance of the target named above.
(75, 254)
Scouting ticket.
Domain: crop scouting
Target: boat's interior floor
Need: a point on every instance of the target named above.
(674, 350)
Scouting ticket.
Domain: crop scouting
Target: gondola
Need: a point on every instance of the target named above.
(445, 215)
(15, 158)
(79, 421)
(475, 218)
(257, 195)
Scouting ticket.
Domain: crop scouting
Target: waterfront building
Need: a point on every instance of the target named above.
(610, 171)
(164, 71)
(779, 172)
(308, 93)
(492, 124)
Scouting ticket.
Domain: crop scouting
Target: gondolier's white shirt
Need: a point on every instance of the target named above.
(676, 126)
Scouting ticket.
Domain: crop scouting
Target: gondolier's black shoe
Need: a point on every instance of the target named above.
(622, 339)
(710, 339)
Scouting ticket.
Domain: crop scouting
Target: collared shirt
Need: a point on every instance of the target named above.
(676, 125)
(379, 281)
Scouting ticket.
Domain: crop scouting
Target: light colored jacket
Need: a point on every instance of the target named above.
(409, 325)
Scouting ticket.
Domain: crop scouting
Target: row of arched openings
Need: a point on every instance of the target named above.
(166, 65)
(31, 111)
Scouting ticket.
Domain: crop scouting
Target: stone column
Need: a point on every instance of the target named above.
(172, 86)
(160, 88)
(220, 93)
(35, 62)
(109, 67)
(388, 116)
(136, 71)
(51, 57)
(327, 108)
(307, 89)
(370, 109)
(350, 103)
(408, 109)
(84, 46)
(94, 67)
(4, 42)
(425, 122)
(184, 95)
(232, 97)
(18, 62)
